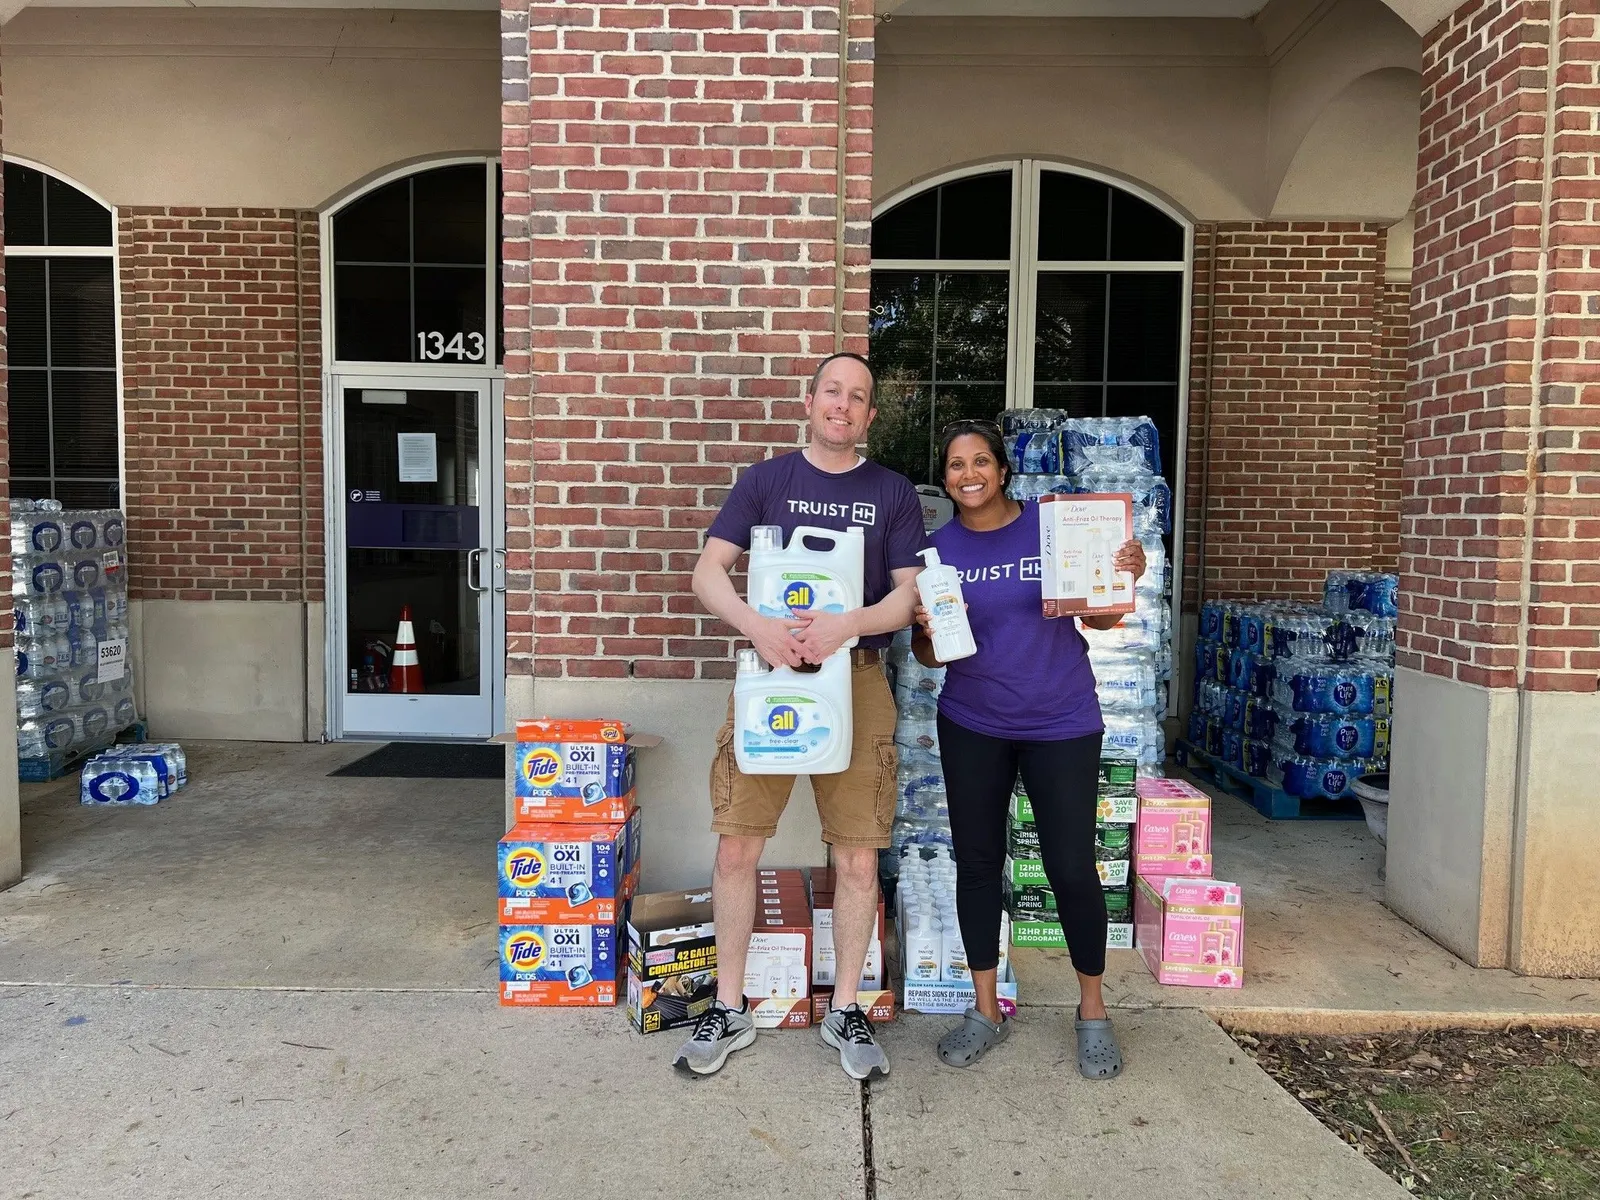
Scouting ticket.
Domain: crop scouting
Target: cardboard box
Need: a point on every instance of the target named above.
(878, 1004)
(956, 998)
(777, 970)
(1049, 934)
(556, 729)
(1117, 804)
(1078, 536)
(588, 771)
(672, 959)
(873, 972)
(1190, 932)
(558, 965)
(774, 1013)
(565, 873)
(1174, 830)
(572, 810)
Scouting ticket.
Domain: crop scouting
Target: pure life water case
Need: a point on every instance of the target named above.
(821, 570)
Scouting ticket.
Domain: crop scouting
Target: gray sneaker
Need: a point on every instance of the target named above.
(849, 1032)
(718, 1033)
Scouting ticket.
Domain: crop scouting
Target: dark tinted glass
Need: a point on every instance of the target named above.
(24, 206)
(965, 402)
(375, 228)
(72, 218)
(1141, 232)
(87, 493)
(372, 314)
(30, 423)
(909, 229)
(972, 314)
(1075, 399)
(84, 404)
(500, 268)
(1071, 328)
(1073, 214)
(901, 329)
(82, 329)
(900, 437)
(448, 215)
(1144, 327)
(975, 217)
(449, 301)
(25, 311)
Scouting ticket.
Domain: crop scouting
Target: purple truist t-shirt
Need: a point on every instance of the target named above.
(1030, 679)
(790, 492)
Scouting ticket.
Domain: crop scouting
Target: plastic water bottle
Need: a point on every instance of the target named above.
(110, 780)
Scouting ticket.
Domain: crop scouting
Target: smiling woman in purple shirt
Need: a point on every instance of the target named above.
(1025, 702)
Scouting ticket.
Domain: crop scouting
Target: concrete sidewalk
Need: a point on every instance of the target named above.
(118, 1092)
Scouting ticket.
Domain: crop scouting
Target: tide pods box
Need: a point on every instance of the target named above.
(564, 873)
(573, 770)
(1079, 536)
(558, 965)
(1190, 932)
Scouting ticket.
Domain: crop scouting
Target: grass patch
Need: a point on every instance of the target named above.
(1474, 1115)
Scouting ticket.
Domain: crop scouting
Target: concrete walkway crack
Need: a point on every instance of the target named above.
(868, 1169)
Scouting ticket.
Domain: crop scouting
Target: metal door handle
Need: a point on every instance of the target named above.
(474, 557)
(500, 577)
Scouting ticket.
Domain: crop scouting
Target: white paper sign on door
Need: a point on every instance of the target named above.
(113, 660)
(419, 458)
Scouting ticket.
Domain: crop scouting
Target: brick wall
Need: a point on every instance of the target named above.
(223, 398)
(1290, 468)
(1390, 355)
(1501, 524)
(671, 174)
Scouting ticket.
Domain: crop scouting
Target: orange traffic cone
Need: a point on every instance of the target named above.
(405, 673)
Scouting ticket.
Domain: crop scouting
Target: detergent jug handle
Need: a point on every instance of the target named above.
(802, 532)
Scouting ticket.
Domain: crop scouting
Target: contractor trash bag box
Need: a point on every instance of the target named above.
(672, 959)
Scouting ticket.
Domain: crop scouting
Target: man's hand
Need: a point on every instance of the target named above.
(775, 641)
(822, 634)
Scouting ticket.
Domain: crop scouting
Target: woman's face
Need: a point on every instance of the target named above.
(972, 475)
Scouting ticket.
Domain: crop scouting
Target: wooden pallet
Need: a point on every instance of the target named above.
(1271, 802)
(50, 767)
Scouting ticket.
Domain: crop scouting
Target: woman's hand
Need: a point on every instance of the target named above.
(922, 638)
(1130, 558)
(924, 622)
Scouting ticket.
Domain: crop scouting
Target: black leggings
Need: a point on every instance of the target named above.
(1062, 779)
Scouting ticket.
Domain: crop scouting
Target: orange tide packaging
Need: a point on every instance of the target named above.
(567, 874)
(573, 771)
(558, 966)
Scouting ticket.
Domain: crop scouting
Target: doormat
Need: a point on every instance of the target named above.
(429, 760)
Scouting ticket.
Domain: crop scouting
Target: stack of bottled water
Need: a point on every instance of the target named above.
(1299, 696)
(1053, 453)
(70, 596)
(922, 814)
(143, 773)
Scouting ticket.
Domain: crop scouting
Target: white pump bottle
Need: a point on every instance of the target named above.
(939, 586)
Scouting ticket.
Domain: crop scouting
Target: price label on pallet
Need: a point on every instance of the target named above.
(113, 659)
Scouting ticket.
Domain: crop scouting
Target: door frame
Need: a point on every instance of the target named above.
(492, 499)
(395, 375)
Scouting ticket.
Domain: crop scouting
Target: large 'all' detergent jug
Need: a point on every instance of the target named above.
(788, 722)
(805, 577)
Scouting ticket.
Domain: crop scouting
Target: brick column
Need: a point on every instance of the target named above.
(673, 272)
(1496, 754)
(10, 801)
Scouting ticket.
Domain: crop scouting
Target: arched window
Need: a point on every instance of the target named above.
(61, 308)
(1020, 286)
(415, 274)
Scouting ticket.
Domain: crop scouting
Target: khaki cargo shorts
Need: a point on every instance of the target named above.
(856, 805)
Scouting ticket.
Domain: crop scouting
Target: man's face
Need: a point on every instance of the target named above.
(841, 409)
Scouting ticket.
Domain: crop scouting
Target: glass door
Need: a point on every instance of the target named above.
(415, 516)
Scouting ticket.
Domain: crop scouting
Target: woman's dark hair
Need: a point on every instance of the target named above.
(989, 432)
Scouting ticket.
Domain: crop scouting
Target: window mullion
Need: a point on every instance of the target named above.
(1028, 286)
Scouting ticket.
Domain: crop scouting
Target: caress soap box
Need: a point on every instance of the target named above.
(564, 873)
(558, 965)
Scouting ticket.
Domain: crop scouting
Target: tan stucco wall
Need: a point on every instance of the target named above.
(1452, 795)
(1555, 925)
(229, 669)
(248, 107)
(10, 793)
(674, 789)
(1212, 114)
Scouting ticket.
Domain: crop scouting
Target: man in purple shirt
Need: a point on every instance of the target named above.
(830, 486)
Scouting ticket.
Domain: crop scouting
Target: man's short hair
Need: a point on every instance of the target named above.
(872, 388)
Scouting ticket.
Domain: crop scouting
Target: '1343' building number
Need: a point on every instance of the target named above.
(463, 347)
